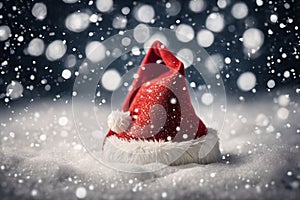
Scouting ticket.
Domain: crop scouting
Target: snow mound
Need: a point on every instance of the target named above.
(42, 156)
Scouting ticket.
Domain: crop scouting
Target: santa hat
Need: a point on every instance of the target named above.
(157, 122)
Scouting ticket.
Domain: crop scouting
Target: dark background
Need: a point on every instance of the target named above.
(22, 22)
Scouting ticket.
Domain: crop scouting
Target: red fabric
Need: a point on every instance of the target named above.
(157, 84)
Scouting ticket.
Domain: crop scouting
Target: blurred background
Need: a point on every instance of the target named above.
(254, 43)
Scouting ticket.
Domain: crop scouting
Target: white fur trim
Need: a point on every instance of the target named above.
(119, 121)
(202, 150)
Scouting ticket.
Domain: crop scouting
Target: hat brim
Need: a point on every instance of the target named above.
(202, 150)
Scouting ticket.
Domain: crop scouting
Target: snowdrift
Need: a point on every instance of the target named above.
(42, 157)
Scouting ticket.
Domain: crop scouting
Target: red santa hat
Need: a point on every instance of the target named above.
(157, 122)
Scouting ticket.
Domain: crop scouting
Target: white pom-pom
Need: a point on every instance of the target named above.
(119, 121)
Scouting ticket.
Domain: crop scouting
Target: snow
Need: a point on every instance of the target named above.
(184, 33)
(227, 60)
(14, 90)
(56, 50)
(119, 22)
(126, 41)
(47, 87)
(70, 61)
(145, 13)
(94, 18)
(66, 74)
(271, 83)
(20, 38)
(70, 1)
(125, 10)
(34, 192)
(214, 63)
(239, 10)
(136, 51)
(284, 100)
(63, 120)
(173, 7)
(287, 6)
(39, 10)
(186, 56)
(81, 192)
(222, 3)
(36, 47)
(4, 32)
(193, 84)
(95, 51)
(262, 120)
(77, 22)
(43, 137)
(273, 18)
(215, 22)
(207, 99)
(283, 113)
(259, 2)
(141, 33)
(253, 39)
(246, 81)
(283, 55)
(104, 5)
(255, 164)
(111, 80)
(173, 101)
(197, 6)
(205, 38)
(282, 25)
(286, 74)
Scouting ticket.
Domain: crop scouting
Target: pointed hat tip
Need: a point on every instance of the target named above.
(167, 56)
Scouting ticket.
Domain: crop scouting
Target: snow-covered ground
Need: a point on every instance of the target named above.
(42, 157)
